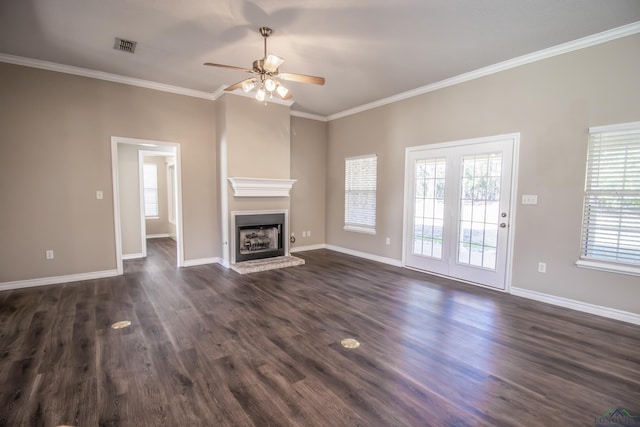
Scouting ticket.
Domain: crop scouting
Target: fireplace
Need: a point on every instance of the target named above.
(259, 235)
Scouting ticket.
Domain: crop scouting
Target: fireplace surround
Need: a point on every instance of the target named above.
(258, 235)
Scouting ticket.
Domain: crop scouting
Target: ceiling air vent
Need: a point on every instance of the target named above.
(125, 45)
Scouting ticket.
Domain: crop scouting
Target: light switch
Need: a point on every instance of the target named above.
(99, 195)
(529, 199)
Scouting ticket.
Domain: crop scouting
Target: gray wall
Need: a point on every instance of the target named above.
(129, 177)
(308, 166)
(55, 134)
(552, 103)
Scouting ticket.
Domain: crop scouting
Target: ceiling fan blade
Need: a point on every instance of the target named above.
(303, 78)
(231, 67)
(237, 85)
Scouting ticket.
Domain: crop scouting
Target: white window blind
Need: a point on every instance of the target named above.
(611, 218)
(150, 185)
(360, 194)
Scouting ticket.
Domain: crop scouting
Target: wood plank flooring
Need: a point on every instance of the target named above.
(210, 347)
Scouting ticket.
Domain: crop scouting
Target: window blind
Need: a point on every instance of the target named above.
(611, 218)
(360, 193)
(150, 184)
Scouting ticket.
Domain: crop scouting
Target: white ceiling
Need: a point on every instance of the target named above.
(366, 49)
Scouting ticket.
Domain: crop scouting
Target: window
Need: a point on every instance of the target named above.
(611, 218)
(360, 194)
(150, 184)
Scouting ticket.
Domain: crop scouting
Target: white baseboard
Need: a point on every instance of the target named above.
(132, 256)
(598, 310)
(307, 248)
(378, 258)
(200, 261)
(158, 236)
(18, 284)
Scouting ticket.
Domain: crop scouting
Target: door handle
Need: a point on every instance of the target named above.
(503, 225)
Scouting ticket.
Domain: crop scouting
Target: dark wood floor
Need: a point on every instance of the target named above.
(209, 347)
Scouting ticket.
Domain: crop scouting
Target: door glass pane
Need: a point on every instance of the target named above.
(428, 207)
(479, 210)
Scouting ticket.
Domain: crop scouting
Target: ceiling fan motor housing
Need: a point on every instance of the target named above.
(258, 66)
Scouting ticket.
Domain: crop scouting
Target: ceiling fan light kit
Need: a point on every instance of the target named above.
(268, 75)
(282, 91)
(272, 63)
(248, 85)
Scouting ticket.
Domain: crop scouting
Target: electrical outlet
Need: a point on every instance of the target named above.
(542, 267)
(49, 253)
(388, 241)
(304, 234)
(99, 195)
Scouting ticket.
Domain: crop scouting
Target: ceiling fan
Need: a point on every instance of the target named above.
(267, 74)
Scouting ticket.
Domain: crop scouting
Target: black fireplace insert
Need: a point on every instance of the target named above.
(259, 236)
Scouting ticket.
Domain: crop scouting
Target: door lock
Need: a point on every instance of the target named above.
(503, 225)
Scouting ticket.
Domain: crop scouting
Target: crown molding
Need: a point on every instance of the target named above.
(218, 92)
(100, 75)
(309, 116)
(595, 39)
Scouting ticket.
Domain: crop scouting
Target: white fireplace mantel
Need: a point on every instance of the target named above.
(261, 187)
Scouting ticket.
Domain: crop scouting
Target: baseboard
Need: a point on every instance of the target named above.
(307, 248)
(44, 281)
(377, 258)
(157, 236)
(201, 261)
(598, 310)
(132, 256)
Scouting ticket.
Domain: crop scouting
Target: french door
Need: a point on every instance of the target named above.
(458, 197)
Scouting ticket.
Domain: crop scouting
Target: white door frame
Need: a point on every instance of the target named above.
(142, 143)
(408, 199)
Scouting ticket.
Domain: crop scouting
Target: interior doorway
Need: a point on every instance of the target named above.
(157, 195)
(138, 207)
(458, 209)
